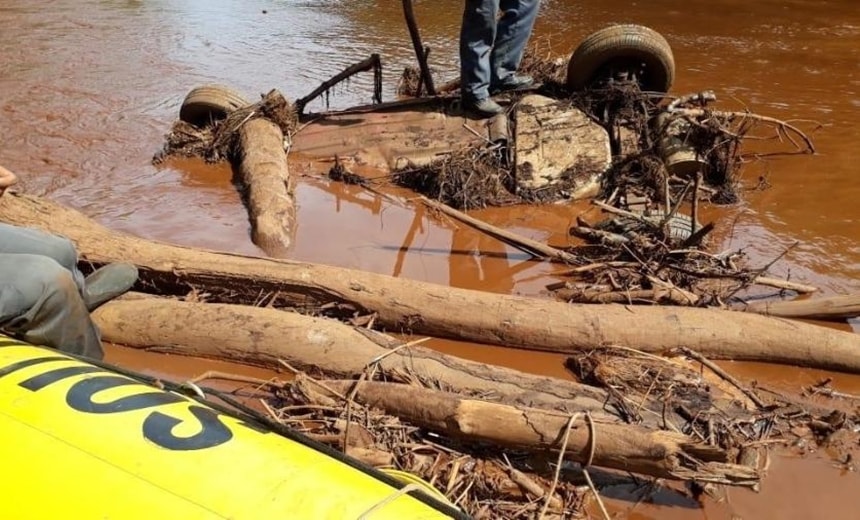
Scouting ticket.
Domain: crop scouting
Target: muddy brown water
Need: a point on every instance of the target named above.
(88, 88)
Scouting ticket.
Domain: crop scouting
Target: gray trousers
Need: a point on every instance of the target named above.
(41, 290)
(491, 48)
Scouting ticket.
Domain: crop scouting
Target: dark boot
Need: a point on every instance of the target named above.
(512, 82)
(483, 108)
(107, 283)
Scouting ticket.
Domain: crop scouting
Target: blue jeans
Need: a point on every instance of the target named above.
(491, 47)
(41, 298)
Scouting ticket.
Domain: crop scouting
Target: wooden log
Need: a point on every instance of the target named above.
(269, 196)
(520, 242)
(435, 310)
(723, 283)
(829, 308)
(613, 445)
(663, 295)
(785, 284)
(262, 336)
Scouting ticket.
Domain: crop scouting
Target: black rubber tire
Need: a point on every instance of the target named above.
(209, 103)
(623, 42)
(681, 227)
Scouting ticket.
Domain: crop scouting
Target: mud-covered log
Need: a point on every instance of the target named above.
(829, 308)
(671, 295)
(261, 336)
(612, 445)
(269, 197)
(435, 310)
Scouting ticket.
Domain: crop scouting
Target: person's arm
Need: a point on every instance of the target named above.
(7, 179)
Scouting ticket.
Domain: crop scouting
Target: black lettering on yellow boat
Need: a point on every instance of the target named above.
(46, 378)
(158, 428)
(14, 367)
(80, 396)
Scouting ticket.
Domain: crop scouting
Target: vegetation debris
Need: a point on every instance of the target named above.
(217, 140)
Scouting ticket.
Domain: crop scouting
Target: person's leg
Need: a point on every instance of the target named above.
(101, 286)
(41, 304)
(514, 30)
(22, 240)
(477, 35)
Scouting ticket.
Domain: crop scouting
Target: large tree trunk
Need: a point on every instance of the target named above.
(263, 166)
(435, 310)
(261, 336)
(611, 445)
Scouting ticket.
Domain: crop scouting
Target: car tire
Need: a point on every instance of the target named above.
(209, 103)
(619, 44)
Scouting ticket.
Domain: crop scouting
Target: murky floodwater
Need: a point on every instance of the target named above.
(88, 88)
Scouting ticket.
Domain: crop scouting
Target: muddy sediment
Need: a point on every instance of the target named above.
(56, 116)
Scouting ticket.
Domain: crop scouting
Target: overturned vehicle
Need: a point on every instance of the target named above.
(555, 141)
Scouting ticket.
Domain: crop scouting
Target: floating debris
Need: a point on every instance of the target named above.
(216, 140)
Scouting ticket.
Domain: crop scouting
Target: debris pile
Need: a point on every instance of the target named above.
(390, 420)
(466, 179)
(217, 140)
(659, 144)
(532, 475)
(473, 477)
(409, 85)
(628, 115)
(499, 443)
(653, 248)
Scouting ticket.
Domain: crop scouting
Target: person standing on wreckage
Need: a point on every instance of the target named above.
(491, 48)
(44, 298)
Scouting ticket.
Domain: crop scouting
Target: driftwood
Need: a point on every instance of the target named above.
(830, 308)
(785, 284)
(730, 379)
(265, 174)
(522, 243)
(604, 294)
(783, 128)
(262, 337)
(541, 250)
(435, 310)
(590, 441)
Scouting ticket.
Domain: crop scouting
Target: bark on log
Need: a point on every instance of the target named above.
(435, 310)
(264, 170)
(617, 446)
(667, 295)
(261, 336)
(830, 308)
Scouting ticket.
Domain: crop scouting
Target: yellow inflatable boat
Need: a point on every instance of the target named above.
(79, 441)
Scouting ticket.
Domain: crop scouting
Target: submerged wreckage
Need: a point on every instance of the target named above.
(646, 399)
(548, 147)
(600, 126)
